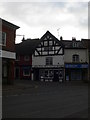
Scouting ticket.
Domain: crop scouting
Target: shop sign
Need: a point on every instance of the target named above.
(76, 65)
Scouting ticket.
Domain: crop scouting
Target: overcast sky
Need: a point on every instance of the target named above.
(66, 19)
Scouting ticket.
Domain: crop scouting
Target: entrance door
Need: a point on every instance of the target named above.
(76, 75)
(56, 75)
(17, 73)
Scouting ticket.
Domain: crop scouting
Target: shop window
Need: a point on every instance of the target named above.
(49, 61)
(75, 58)
(26, 72)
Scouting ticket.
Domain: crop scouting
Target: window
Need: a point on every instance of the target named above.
(17, 57)
(45, 48)
(49, 61)
(26, 72)
(45, 43)
(26, 58)
(75, 44)
(3, 38)
(50, 48)
(50, 42)
(75, 58)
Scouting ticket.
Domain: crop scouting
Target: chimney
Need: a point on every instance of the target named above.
(73, 39)
(23, 39)
(61, 38)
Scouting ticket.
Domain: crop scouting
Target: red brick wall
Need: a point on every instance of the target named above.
(23, 62)
(10, 38)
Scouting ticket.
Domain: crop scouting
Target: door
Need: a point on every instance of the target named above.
(56, 75)
(76, 74)
(17, 73)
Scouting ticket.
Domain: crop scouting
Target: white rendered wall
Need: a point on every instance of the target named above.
(41, 60)
(83, 55)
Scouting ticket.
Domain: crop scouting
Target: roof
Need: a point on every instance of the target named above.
(26, 47)
(86, 42)
(69, 44)
(54, 38)
(9, 24)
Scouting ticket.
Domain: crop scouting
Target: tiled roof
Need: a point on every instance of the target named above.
(86, 42)
(69, 44)
(27, 47)
(9, 24)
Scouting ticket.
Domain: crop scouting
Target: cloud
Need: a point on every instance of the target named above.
(34, 17)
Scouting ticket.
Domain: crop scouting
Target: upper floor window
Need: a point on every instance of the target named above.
(75, 44)
(75, 58)
(17, 57)
(49, 61)
(26, 58)
(3, 38)
(45, 43)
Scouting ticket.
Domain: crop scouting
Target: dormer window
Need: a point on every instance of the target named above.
(75, 44)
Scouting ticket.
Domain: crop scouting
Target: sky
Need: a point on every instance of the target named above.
(66, 19)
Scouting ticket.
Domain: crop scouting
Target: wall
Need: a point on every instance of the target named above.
(41, 60)
(10, 38)
(81, 52)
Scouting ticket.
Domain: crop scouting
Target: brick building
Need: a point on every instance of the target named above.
(23, 62)
(7, 42)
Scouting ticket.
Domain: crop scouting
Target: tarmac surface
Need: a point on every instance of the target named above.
(30, 99)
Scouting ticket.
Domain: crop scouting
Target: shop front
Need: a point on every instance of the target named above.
(49, 74)
(7, 71)
(76, 72)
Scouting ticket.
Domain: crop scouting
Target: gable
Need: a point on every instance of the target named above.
(49, 45)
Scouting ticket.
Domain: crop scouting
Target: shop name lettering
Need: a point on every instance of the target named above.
(77, 66)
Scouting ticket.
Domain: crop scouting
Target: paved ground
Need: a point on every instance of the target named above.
(45, 100)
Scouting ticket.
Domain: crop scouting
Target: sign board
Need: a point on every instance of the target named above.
(76, 65)
(46, 66)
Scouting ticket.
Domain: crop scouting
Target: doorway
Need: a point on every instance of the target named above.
(17, 73)
(76, 74)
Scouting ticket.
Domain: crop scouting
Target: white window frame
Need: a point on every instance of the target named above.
(75, 44)
(3, 38)
(49, 60)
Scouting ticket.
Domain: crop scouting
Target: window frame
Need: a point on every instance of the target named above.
(3, 38)
(26, 74)
(75, 58)
(49, 60)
